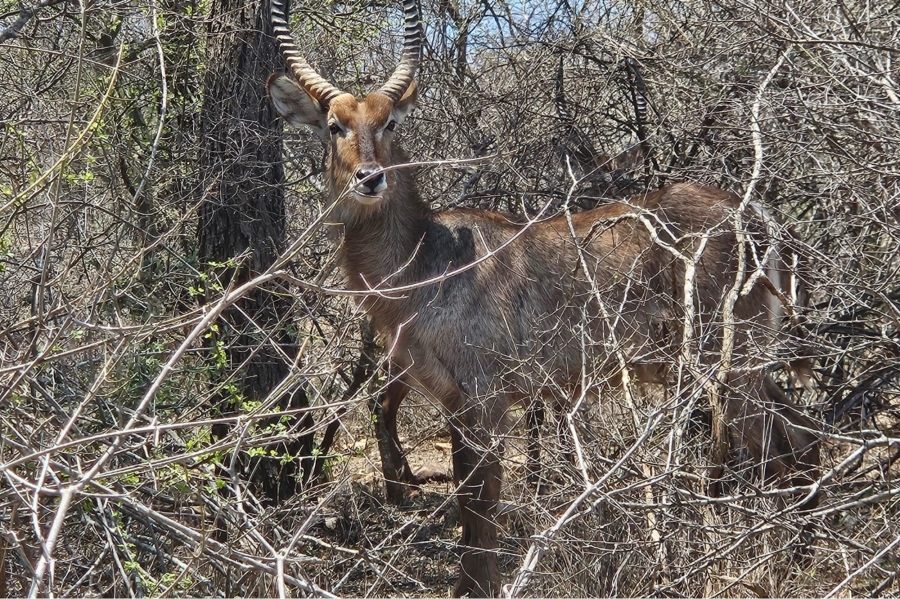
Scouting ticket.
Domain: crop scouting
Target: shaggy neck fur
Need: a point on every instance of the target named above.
(380, 241)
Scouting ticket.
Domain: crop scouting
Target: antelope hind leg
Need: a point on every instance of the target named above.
(478, 473)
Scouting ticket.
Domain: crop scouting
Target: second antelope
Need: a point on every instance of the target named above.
(481, 309)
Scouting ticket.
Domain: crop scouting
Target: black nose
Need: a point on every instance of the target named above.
(370, 179)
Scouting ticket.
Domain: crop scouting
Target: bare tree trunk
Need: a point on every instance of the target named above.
(242, 224)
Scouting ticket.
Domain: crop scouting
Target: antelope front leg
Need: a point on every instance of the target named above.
(397, 474)
(477, 471)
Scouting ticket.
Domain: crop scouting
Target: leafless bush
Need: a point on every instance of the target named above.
(114, 360)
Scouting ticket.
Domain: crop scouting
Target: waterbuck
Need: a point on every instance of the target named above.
(481, 308)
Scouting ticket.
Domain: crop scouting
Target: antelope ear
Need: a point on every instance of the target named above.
(296, 106)
(406, 104)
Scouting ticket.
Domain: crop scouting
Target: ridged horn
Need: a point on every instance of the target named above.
(306, 76)
(403, 75)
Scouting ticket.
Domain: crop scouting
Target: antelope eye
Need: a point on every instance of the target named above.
(391, 125)
(335, 128)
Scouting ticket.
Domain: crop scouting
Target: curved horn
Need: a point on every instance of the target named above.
(312, 82)
(403, 75)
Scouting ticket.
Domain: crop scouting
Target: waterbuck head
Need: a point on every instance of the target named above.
(360, 131)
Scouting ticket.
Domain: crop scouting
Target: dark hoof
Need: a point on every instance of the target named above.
(479, 575)
(431, 474)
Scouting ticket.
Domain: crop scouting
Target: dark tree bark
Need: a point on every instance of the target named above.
(242, 220)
